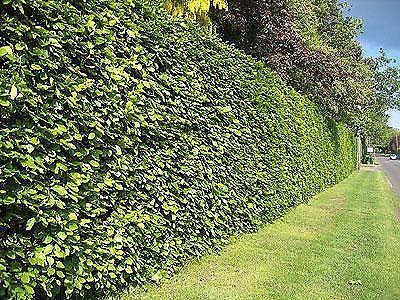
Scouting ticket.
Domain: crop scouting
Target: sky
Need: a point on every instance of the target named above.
(381, 30)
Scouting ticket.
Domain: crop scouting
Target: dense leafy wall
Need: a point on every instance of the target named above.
(130, 142)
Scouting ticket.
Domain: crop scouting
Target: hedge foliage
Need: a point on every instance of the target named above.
(131, 141)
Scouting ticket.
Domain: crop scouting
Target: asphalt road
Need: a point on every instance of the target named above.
(392, 170)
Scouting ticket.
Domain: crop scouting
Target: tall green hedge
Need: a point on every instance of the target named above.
(130, 141)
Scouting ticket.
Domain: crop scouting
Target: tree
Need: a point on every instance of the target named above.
(387, 80)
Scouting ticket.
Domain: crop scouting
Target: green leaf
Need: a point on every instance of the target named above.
(60, 190)
(72, 227)
(48, 239)
(51, 271)
(4, 102)
(72, 216)
(94, 163)
(58, 252)
(118, 239)
(25, 278)
(8, 200)
(62, 235)
(50, 260)
(35, 67)
(20, 293)
(38, 259)
(29, 162)
(132, 33)
(30, 223)
(5, 50)
(118, 150)
(129, 270)
(78, 136)
(13, 92)
(108, 181)
(20, 46)
(30, 148)
(48, 249)
(225, 109)
(55, 42)
(91, 136)
(29, 290)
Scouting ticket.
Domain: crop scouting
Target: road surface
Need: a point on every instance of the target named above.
(392, 170)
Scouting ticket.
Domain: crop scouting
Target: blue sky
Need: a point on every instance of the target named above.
(381, 30)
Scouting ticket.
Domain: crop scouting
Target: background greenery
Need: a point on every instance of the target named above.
(131, 141)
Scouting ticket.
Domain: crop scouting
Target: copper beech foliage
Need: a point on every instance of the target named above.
(264, 29)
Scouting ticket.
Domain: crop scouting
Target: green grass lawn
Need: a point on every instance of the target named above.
(344, 244)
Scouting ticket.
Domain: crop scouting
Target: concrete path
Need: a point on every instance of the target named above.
(392, 170)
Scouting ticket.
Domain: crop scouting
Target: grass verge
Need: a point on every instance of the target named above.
(343, 244)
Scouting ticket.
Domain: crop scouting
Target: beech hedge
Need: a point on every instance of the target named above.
(131, 141)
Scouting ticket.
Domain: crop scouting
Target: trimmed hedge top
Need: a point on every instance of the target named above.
(130, 141)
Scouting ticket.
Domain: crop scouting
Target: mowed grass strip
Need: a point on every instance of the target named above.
(343, 244)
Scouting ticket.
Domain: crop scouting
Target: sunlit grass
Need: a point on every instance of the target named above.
(344, 244)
